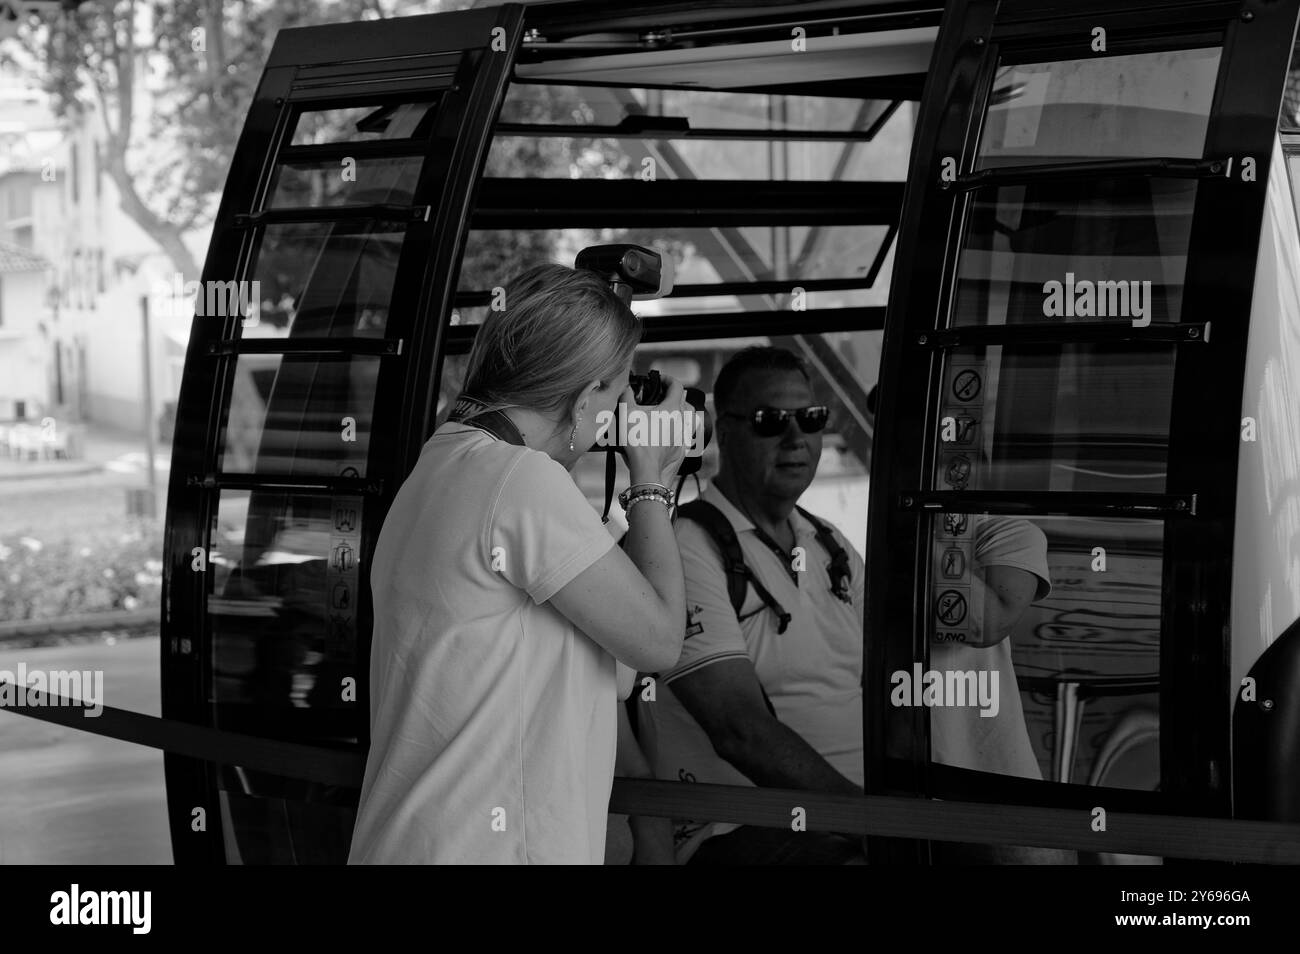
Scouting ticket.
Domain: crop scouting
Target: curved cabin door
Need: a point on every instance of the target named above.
(1061, 391)
(302, 409)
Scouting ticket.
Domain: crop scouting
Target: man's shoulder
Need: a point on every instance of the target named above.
(813, 519)
(695, 539)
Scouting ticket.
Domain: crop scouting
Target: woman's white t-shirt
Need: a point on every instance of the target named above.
(492, 719)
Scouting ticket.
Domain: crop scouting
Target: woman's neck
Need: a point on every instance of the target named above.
(541, 433)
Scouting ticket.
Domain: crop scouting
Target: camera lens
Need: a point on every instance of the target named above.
(649, 388)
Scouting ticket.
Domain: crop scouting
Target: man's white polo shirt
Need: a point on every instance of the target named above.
(812, 672)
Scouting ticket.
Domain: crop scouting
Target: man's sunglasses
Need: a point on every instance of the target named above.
(771, 421)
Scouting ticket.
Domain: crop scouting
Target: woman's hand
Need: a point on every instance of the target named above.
(647, 462)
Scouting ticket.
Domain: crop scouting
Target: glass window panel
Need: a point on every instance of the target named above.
(1108, 107)
(266, 830)
(1080, 251)
(299, 416)
(1078, 676)
(323, 279)
(371, 181)
(884, 158)
(607, 106)
(1061, 418)
(1293, 173)
(283, 606)
(839, 492)
(361, 123)
(702, 256)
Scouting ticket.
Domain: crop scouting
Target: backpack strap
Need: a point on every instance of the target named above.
(739, 576)
(840, 570)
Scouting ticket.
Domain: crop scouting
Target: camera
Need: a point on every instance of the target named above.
(638, 273)
(650, 389)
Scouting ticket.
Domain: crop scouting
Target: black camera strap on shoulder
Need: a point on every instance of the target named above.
(611, 472)
(471, 411)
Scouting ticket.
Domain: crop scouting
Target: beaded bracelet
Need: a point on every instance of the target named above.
(647, 486)
(627, 498)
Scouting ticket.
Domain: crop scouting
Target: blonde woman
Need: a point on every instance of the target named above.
(501, 602)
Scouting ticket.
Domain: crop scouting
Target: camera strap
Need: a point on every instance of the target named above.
(472, 411)
(611, 471)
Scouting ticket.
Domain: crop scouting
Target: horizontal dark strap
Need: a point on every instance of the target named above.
(1165, 836)
(290, 759)
(888, 816)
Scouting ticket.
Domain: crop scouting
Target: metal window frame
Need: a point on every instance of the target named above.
(1207, 384)
(317, 65)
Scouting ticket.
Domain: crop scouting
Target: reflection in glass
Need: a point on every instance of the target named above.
(299, 416)
(319, 279)
(1085, 658)
(362, 123)
(286, 576)
(790, 254)
(883, 159)
(1058, 418)
(306, 184)
(286, 571)
(1108, 107)
(1117, 249)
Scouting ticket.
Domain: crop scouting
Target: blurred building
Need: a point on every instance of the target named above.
(24, 378)
(71, 339)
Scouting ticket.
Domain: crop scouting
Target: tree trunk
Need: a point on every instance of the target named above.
(165, 234)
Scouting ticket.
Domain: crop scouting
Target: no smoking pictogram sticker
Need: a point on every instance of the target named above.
(950, 608)
(967, 385)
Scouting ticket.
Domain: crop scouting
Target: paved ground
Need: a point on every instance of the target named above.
(54, 499)
(68, 797)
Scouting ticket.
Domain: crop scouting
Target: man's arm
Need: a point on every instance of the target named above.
(1011, 572)
(1005, 593)
(725, 698)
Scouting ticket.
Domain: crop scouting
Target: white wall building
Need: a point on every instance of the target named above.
(58, 202)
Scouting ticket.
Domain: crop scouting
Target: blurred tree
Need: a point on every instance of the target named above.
(201, 61)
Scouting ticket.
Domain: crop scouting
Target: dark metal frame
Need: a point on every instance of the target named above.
(454, 153)
(315, 66)
(1200, 491)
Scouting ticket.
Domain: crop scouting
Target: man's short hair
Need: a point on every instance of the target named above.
(757, 358)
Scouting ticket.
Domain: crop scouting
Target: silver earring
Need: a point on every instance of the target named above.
(574, 433)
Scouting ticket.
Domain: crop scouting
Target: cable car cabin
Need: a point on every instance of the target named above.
(1061, 238)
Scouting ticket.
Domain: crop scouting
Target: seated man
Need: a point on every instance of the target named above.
(770, 694)
(768, 689)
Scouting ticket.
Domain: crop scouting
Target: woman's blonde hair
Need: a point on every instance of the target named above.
(561, 329)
